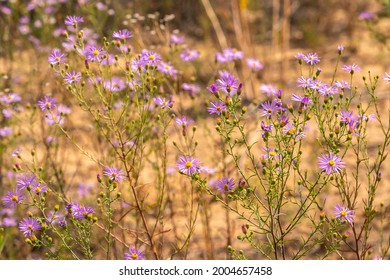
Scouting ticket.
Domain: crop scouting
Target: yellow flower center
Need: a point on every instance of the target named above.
(152, 57)
(134, 256)
(188, 164)
(331, 162)
(292, 130)
(226, 187)
(30, 227)
(57, 59)
(343, 213)
(14, 198)
(272, 154)
(219, 108)
(95, 52)
(74, 78)
(38, 190)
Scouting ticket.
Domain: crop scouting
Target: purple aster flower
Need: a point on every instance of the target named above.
(28, 226)
(304, 82)
(177, 40)
(387, 78)
(183, 121)
(150, 57)
(343, 213)
(342, 85)
(56, 57)
(269, 89)
(11, 199)
(225, 184)
(221, 58)
(213, 89)
(351, 68)
(311, 58)
(84, 189)
(289, 128)
(326, 90)
(340, 48)
(114, 173)
(233, 54)
(55, 218)
(116, 84)
(367, 118)
(94, 53)
(26, 181)
(47, 103)
(304, 100)
(10, 98)
(300, 56)
(39, 188)
(54, 118)
(72, 77)
(316, 84)
(266, 128)
(216, 108)
(5, 131)
(346, 116)
(79, 212)
(134, 254)
(254, 64)
(63, 109)
(167, 68)
(269, 108)
(8, 222)
(122, 34)
(366, 15)
(73, 20)
(188, 165)
(227, 83)
(192, 89)
(330, 163)
(189, 55)
(270, 154)
(163, 102)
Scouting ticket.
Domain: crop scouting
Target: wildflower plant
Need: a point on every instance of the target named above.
(278, 192)
(294, 170)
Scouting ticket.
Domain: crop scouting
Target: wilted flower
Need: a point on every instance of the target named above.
(254, 64)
